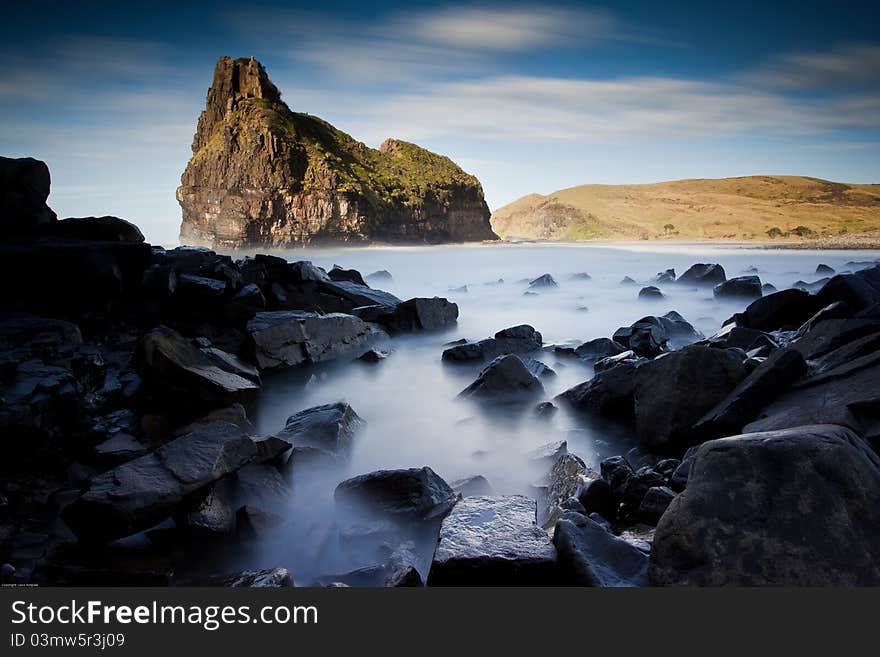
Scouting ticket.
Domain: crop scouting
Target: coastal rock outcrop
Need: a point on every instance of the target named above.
(263, 175)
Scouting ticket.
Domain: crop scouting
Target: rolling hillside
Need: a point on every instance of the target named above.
(767, 208)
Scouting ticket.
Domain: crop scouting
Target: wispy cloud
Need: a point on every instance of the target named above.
(848, 65)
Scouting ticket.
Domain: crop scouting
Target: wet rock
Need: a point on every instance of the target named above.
(703, 274)
(284, 338)
(767, 382)
(140, 493)
(608, 394)
(651, 293)
(636, 486)
(674, 392)
(740, 337)
(545, 281)
(594, 350)
(616, 470)
(214, 516)
(628, 356)
(799, 507)
(505, 379)
(596, 496)
(836, 310)
(234, 414)
(679, 479)
(788, 308)
(823, 269)
(330, 428)
(573, 504)
(471, 486)
(564, 481)
(412, 494)
(178, 372)
(741, 287)
(548, 453)
(261, 485)
(655, 503)
(350, 275)
(246, 303)
(847, 394)
(591, 556)
(545, 410)
(401, 568)
(119, 448)
(522, 339)
(493, 541)
(254, 523)
(859, 290)
(420, 314)
(665, 277)
(269, 578)
(374, 356)
(537, 368)
(651, 335)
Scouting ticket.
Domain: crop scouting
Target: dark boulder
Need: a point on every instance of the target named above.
(824, 270)
(179, 373)
(350, 275)
(505, 379)
(24, 188)
(784, 309)
(651, 293)
(493, 541)
(859, 290)
(284, 338)
(471, 486)
(596, 496)
(419, 314)
(608, 394)
(665, 277)
(522, 339)
(98, 229)
(616, 470)
(588, 555)
(413, 494)
(654, 504)
(140, 493)
(836, 310)
(673, 392)
(331, 428)
(741, 287)
(799, 507)
(703, 274)
(594, 350)
(767, 382)
(564, 481)
(652, 335)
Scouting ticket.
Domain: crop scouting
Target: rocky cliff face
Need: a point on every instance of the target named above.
(262, 175)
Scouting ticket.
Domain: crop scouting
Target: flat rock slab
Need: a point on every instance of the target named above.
(493, 541)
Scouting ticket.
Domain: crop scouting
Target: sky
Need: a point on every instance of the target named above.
(530, 97)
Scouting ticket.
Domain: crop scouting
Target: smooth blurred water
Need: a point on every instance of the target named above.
(409, 399)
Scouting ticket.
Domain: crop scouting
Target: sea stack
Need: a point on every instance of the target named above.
(262, 175)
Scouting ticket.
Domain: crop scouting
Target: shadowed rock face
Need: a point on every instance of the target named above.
(262, 175)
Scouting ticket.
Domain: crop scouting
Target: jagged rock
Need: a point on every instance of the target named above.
(182, 375)
(768, 288)
(419, 314)
(350, 275)
(651, 335)
(651, 293)
(608, 394)
(537, 368)
(493, 541)
(330, 428)
(679, 479)
(521, 339)
(24, 188)
(740, 337)
(594, 350)
(548, 453)
(824, 269)
(401, 568)
(214, 517)
(799, 507)
(413, 494)
(254, 523)
(470, 486)
(859, 290)
(505, 379)
(284, 338)
(99, 229)
(596, 496)
(234, 414)
(545, 281)
(741, 287)
(703, 274)
(836, 310)
(591, 556)
(564, 481)
(665, 277)
(673, 392)
(788, 308)
(262, 175)
(140, 493)
(847, 393)
(628, 356)
(269, 578)
(767, 382)
(260, 485)
(119, 448)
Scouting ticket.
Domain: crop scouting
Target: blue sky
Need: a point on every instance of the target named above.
(529, 97)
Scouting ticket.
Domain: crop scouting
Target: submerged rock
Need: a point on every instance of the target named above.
(741, 287)
(330, 428)
(799, 507)
(493, 541)
(703, 274)
(594, 350)
(522, 339)
(543, 282)
(651, 293)
(608, 394)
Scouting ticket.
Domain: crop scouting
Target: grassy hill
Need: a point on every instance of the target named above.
(767, 208)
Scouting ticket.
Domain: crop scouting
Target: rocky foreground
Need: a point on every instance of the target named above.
(128, 372)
